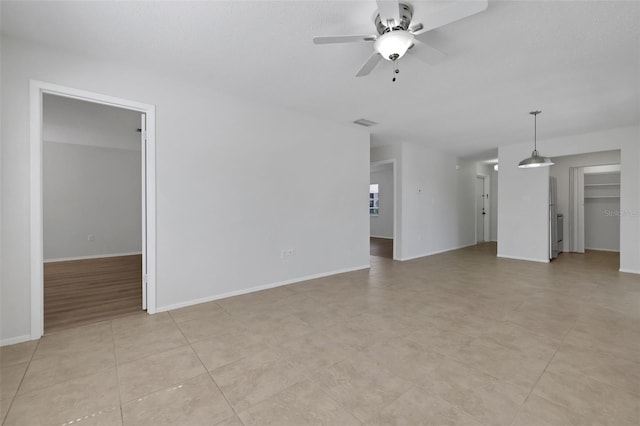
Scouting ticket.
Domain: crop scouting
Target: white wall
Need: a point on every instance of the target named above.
(560, 170)
(237, 182)
(90, 190)
(494, 205)
(382, 224)
(524, 194)
(436, 199)
(523, 207)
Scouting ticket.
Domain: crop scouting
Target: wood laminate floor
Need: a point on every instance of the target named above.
(382, 247)
(81, 292)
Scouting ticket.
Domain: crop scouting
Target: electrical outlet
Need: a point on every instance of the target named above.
(284, 253)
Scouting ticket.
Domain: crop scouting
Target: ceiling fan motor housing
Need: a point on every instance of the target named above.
(406, 13)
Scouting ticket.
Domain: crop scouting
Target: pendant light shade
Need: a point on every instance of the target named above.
(536, 160)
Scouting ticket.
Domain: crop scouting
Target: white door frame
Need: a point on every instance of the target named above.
(396, 221)
(486, 230)
(36, 91)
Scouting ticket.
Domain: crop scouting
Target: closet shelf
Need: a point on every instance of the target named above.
(600, 196)
(602, 184)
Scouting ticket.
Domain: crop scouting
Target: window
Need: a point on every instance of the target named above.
(373, 200)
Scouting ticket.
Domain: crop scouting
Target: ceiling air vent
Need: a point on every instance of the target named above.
(364, 122)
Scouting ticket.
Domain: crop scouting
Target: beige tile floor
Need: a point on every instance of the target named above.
(458, 338)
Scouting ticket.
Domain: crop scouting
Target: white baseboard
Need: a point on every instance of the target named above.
(380, 236)
(528, 259)
(630, 271)
(257, 288)
(95, 256)
(602, 249)
(15, 340)
(431, 253)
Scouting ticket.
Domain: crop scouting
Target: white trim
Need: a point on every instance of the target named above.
(151, 210)
(602, 249)
(94, 256)
(15, 340)
(380, 236)
(120, 148)
(143, 205)
(630, 271)
(431, 253)
(36, 91)
(257, 288)
(528, 259)
(36, 243)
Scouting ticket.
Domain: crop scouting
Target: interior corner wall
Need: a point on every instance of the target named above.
(90, 191)
(523, 216)
(437, 198)
(230, 196)
(382, 224)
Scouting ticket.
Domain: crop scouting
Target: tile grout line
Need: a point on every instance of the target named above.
(221, 307)
(309, 377)
(204, 366)
(15, 395)
(115, 358)
(561, 342)
(270, 348)
(545, 368)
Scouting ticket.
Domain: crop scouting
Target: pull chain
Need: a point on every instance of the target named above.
(395, 70)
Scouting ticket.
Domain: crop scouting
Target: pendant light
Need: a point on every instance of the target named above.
(535, 160)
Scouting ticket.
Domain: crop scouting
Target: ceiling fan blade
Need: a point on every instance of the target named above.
(369, 65)
(389, 10)
(426, 53)
(343, 39)
(454, 11)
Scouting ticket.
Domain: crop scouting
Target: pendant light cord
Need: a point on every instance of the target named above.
(535, 129)
(535, 132)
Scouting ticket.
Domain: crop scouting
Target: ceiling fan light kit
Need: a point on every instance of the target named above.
(394, 44)
(536, 160)
(396, 34)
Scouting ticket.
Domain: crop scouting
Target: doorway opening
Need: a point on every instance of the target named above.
(93, 207)
(382, 210)
(92, 212)
(589, 206)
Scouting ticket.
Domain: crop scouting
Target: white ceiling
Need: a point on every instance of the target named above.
(578, 61)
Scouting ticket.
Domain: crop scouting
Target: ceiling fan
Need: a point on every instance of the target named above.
(396, 33)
